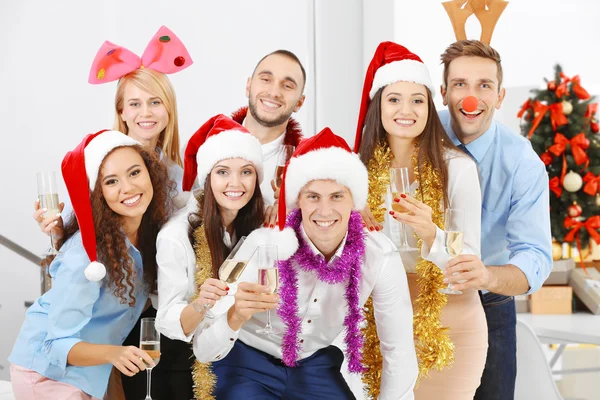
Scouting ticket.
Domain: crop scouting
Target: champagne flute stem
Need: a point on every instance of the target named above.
(404, 238)
(268, 320)
(148, 383)
(52, 242)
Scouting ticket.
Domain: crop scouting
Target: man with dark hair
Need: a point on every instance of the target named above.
(275, 91)
(516, 241)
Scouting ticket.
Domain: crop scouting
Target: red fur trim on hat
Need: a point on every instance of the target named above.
(293, 131)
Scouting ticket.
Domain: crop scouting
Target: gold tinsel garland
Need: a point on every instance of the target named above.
(433, 346)
(202, 374)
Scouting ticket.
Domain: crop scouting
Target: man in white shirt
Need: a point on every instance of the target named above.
(329, 266)
(275, 91)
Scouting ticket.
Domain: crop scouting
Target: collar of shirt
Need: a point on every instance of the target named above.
(271, 148)
(478, 147)
(338, 252)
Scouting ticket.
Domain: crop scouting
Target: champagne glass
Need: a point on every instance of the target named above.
(283, 156)
(268, 275)
(48, 198)
(454, 220)
(150, 343)
(229, 272)
(400, 184)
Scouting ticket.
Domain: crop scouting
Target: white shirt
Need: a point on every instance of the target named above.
(269, 152)
(176, 261)
(322, 308)
(464, 194)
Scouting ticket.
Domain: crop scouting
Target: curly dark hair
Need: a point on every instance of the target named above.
(249, 217)
(110, 239)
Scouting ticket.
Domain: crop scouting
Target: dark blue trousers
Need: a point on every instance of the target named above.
(500, 373)
(247, 373)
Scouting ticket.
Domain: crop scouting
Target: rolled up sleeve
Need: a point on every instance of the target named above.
(72, 307)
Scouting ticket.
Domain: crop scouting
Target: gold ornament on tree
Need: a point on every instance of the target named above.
(572, 182)
(567, 107)
(556, 251)
(598, 199)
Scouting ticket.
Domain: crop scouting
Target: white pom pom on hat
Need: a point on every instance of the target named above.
(285, 240)
(95, 271)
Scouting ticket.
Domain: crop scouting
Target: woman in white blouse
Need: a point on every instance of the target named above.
(227, 161)
(398, 113)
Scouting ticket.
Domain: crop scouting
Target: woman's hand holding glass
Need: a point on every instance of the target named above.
(418, 217)
(129, 359)
(210, 292)
(49, 225)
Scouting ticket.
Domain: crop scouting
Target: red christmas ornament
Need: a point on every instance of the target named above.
(595, 126)
(546, 158)
(552, 86)
(574, 210)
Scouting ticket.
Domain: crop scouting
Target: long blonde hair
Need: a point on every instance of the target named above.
(158, 85)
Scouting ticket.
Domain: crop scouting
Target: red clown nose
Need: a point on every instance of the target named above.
(470, 103)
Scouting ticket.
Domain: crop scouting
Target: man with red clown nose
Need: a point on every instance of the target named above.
(329, 266)
(515, 220)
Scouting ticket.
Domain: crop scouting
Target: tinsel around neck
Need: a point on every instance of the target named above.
(346, 268)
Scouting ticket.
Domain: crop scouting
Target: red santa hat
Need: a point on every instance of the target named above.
(391, 63)
(80, 170)
(323, 156)
(220, 138)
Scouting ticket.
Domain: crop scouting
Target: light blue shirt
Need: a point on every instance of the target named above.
(515, 217)
(76, 310)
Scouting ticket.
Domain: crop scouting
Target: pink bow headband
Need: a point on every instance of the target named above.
(165, 53)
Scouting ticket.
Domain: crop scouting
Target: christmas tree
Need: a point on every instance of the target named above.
(560, 122)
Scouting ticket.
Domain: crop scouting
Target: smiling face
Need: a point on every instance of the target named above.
(233, 182)
(145, 115)
(126, 184)
(404, 109)
(478, 77)
(326, 206)
(275, 90)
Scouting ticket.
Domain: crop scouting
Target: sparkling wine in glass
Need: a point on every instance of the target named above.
(150, 343)
(454, 220)
(283, 156)
(229, 272)
(268, 275)
(400, 184)
(48, 198)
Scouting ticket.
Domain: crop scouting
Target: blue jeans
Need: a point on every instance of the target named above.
(247, 373)
(500, 373)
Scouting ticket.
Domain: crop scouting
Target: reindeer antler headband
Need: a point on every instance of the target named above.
(486, 11)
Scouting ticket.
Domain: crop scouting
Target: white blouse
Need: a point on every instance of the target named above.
(176, 261)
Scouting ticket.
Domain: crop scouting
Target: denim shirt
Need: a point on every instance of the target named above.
(515, 218)
(76, 310)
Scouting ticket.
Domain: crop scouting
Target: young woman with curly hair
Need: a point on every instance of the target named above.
(102, 276)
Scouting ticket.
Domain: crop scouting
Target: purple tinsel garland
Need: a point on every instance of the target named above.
(347, 267)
